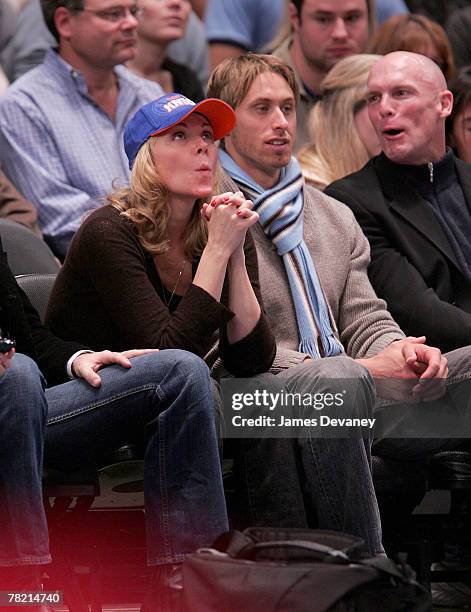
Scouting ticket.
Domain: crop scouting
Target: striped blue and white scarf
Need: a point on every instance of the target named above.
(281, 217)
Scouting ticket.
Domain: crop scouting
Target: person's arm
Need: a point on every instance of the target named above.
(255, 350)
(220, 50)
(229, 30)
(14, 207)
(409, 370)
(87, 365)
(286, 358)
(54, 354)
(107, 259)
(248, 332)
(415, 306)
(242, 299)
(31, 160)
(25, 327)
(51, 352)
(365, 325)
(227, 227)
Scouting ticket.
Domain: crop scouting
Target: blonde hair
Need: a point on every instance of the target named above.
(336, 148)
(146, 202)
(232, 78)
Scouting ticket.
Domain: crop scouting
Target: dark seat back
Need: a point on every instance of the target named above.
(26, 253)
(37, 287)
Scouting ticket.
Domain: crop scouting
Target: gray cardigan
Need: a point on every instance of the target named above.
(341, 254)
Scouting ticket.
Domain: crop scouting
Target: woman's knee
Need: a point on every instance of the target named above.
(177, 362)
(22, 373)
(22, 387)
(186, 360)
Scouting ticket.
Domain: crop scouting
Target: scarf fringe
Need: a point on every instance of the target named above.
(309, 347)
(332, 347)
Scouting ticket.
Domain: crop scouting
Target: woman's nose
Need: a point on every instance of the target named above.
(202, 146)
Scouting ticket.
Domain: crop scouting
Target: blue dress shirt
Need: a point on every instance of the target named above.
(59, 148)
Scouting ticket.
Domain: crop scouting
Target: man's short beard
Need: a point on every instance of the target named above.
(322, 66)
(319, 65)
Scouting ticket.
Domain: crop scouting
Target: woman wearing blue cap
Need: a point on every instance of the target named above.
(149, 269)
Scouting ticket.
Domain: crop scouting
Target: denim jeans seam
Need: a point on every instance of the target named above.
(163, 490)
(107, 400)
(167, 559)
(28, 560)
(250, 491)
(335, 516)
(457, 379)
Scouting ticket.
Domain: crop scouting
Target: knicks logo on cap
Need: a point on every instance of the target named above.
(173, 102)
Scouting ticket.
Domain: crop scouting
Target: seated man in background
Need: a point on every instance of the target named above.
(61, 124)
(31, 40)
(413, 203)
(144, 396)
(322, 33)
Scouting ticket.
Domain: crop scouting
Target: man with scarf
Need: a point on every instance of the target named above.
(328, 322)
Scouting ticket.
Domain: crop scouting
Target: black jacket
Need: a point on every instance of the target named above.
(413, 266)
(21, 322)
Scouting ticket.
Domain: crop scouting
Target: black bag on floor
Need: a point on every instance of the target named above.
(296, 570)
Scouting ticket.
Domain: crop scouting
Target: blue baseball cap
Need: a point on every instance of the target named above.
(161, 114)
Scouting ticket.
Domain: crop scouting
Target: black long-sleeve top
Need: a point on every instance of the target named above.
(20, 321)
(108, 295)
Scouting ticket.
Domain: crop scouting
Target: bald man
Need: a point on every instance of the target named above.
(413, 202)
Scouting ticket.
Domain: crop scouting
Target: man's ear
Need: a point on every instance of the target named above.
(446, 101)
(62, 20)
(294, 17)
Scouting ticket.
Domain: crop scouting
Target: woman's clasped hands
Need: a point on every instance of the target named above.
(228, 215)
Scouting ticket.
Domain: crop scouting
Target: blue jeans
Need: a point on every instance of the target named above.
(290, 480)
(455, 404)
(164, 402)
